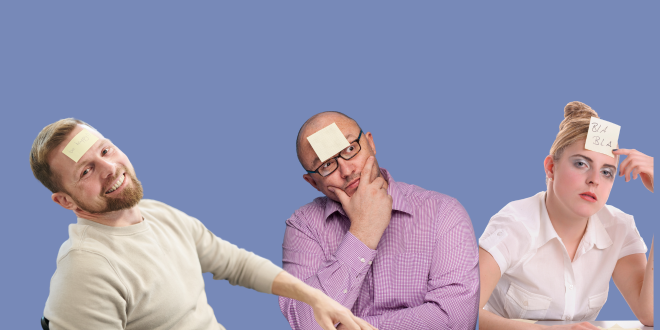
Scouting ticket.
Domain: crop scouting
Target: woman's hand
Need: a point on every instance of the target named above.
(636, 163)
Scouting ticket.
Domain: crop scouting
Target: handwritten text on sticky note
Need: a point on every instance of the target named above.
(79, 145)
(328, 141)
(603, 136)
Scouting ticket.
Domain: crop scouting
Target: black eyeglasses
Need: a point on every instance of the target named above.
(331, 164)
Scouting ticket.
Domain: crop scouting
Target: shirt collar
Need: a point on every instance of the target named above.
(594, 235)
(546, 230)
(400, 201)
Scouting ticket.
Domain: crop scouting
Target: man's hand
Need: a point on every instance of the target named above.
(370, 207)
(343, 327)
(328, 312)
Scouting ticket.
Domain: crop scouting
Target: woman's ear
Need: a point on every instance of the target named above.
(549, 166)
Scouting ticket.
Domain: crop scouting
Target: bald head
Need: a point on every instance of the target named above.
(313, 125)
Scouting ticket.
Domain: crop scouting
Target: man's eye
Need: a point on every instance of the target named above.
(328, 164)
(85, 172)
(105, 151)
(350, 149)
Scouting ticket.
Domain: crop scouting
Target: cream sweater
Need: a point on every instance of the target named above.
(148, 275)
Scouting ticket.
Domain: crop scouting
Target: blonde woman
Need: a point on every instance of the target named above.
(551, 256)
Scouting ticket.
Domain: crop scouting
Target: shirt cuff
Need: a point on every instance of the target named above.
(266, 274)
(638, 246)
(499, 258)
(355, 254)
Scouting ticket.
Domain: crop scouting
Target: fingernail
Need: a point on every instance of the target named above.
(614, 150)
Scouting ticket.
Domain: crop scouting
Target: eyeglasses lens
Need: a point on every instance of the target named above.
(331, 164)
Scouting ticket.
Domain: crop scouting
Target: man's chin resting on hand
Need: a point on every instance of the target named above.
(396, 255)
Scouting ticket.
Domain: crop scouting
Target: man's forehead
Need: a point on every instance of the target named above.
(350, 133)
(58, 157)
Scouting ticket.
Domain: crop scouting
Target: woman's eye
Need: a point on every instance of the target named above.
(607, 173)
(580, 163)
(105, 151)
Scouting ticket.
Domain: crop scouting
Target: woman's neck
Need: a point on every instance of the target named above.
(569, 226)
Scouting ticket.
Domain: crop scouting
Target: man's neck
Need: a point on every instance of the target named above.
(121, 218)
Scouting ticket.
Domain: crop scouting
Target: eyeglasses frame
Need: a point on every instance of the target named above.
(335, 158)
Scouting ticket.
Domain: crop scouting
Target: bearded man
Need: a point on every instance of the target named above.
(136, 264)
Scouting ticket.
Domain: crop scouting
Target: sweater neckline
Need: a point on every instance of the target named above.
(120, 231)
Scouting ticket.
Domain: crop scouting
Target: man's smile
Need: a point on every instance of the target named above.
(117, 184)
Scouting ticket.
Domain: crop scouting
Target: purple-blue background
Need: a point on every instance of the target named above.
(206, 100)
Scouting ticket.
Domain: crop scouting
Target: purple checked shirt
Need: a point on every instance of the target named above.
(424, 273)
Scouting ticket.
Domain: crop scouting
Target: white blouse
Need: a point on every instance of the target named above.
(539, 281)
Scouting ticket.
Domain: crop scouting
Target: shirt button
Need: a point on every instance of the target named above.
(362, 259)
(369, 262)
(345, 290)
(570, 287)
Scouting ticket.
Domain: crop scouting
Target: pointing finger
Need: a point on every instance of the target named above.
(341, 195)
(350, 324)
(364, 325)
(621, 151)
(366, 172)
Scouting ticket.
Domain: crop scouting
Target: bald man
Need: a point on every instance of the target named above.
(136, 264)
(397, 255)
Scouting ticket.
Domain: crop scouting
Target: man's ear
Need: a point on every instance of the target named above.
(370, 140)
(549, 166)
(64, 200)
(310, 180)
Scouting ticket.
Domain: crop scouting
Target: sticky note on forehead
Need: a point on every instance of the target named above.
(603, 136)
(328, 141)
(79, 145)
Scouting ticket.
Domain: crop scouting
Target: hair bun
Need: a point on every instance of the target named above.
(577, 109)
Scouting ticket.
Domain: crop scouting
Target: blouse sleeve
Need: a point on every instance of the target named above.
(633, 241)
(507, 240)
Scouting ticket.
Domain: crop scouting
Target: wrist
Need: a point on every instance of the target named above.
(313, 297)
(365, 237)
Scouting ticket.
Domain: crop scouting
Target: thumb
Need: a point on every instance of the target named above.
(341, 195)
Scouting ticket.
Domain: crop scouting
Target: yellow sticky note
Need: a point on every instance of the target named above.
(79, 145)
(603, 136)
(526, 321)
(328, 141)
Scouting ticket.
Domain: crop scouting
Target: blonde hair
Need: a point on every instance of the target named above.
(48, 139)
(574, 127)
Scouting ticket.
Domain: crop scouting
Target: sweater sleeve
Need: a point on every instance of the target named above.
(227, 261)
(86, 293)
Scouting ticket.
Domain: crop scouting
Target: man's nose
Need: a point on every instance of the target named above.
(107, 169)
(346, 168)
